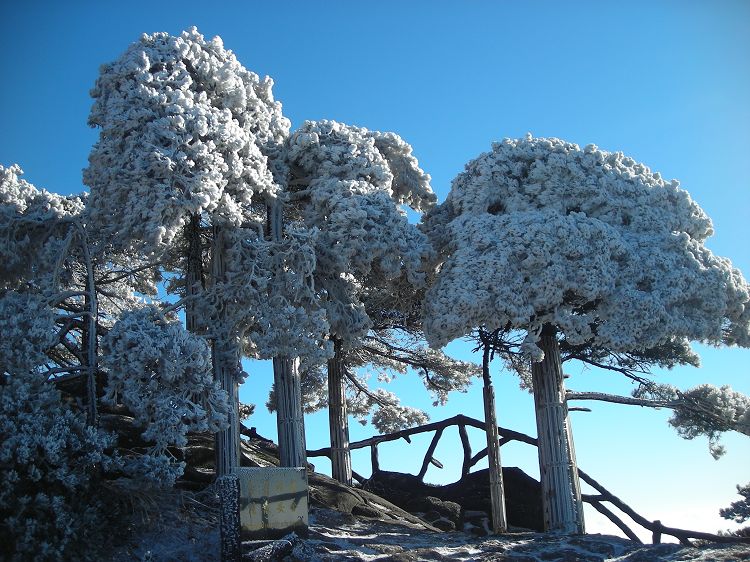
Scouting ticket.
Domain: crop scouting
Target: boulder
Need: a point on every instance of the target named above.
(523, 500)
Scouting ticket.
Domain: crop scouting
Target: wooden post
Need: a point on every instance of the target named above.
(228, 490)
(226, 364)
(561, 490)
(466, 466)
(338, 420)
(430, 451)
(656, 534)
(374, 461)
(497, 493)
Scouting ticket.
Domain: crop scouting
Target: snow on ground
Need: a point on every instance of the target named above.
(336, 536)
(187, 532)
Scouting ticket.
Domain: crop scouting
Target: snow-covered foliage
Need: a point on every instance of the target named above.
(162, 374)
(390, 415)
(739, 511)
(348, 183)
(387, 354)
(366, 404)
(28, 217)
(703, 410)
(349, 186)
(49, 466)
(185, 129)
(27, 325)
(539, 231)
(274, 305)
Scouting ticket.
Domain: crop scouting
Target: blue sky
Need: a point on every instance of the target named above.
(665, 82)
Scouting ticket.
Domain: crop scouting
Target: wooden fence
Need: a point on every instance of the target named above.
(597, 501)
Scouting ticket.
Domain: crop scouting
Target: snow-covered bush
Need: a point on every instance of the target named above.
(50, 462)
(162, 374)
(275, 309)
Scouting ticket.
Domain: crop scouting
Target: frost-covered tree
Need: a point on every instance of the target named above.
(705, 410)
(583, 251)
(349, 184)
(63, 293)
(182, 164)
(47, 249)
(50, 457)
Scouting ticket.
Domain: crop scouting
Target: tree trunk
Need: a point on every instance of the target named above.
(289, 417)
(338, 420)
(89, 335)
(497, 493)
(226, 364)
(561, 490)
(194, 279)
(290, 420)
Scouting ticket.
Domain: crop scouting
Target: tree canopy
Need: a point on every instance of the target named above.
(539, 231)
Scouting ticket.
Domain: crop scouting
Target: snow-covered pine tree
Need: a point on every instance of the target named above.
(583, 251)
(182, 157)
(348, 184)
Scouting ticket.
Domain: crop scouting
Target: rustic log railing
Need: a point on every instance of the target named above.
(656, 528)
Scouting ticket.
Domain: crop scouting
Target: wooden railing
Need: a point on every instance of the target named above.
(656, 528)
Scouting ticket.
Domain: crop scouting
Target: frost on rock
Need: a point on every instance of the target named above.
(539, 231)
(184, 129)
(162, 374)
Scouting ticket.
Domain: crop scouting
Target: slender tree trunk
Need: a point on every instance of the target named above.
(194, 278)
(338, 420)
(90, 340)
(497, 493)
(226, 365)
(289, 416)
(561, 490)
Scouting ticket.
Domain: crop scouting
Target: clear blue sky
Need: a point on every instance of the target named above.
(667, 83)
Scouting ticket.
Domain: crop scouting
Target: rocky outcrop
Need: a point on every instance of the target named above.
(471, 494)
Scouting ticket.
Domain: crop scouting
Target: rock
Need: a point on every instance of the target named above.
(523, 496)
(440, 508)
(290, 548)
(523, 501)
(328, 493)
(364, 510)
(444, 524)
